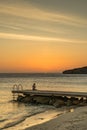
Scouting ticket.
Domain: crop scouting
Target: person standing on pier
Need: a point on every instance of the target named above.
(34, 86)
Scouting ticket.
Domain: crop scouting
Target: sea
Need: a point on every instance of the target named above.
(13, 114)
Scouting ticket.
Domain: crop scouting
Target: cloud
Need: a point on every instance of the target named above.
(37, 38)
(19, 18)
(34, 13)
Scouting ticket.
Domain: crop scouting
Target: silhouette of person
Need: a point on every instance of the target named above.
(34, 86)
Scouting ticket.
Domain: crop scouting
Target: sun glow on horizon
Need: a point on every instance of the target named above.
(41, 37)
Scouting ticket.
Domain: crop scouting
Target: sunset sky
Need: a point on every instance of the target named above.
(42, 35)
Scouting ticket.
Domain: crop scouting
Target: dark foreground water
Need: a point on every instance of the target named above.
(12, 113)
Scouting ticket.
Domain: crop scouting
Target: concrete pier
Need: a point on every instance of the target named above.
(55, 98)
(50, 93)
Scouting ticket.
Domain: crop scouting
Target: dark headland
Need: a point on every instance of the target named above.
(82, 70)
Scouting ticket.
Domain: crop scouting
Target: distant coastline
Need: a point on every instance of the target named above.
(82, 70)
(4, 75)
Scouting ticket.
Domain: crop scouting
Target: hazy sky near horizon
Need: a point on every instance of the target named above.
(42, 35)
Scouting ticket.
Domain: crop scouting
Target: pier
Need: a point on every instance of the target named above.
(50, 93)
(55, 98)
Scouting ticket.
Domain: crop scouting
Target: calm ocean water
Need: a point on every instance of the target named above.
(12, 113)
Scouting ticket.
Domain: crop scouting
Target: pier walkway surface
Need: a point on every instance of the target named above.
(50, 93)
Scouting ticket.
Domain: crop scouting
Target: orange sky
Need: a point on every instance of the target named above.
(40, 37)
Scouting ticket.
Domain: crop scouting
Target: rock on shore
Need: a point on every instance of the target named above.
(55, 101)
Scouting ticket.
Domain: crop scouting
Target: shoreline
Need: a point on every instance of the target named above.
(54, 118)
(71, 120)
(40, 119)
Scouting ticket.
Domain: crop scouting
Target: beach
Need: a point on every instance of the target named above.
(22, 116)
(75, 119)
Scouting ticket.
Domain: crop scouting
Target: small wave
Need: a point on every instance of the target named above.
(3, 120)
(16, 121)
(10, 124)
